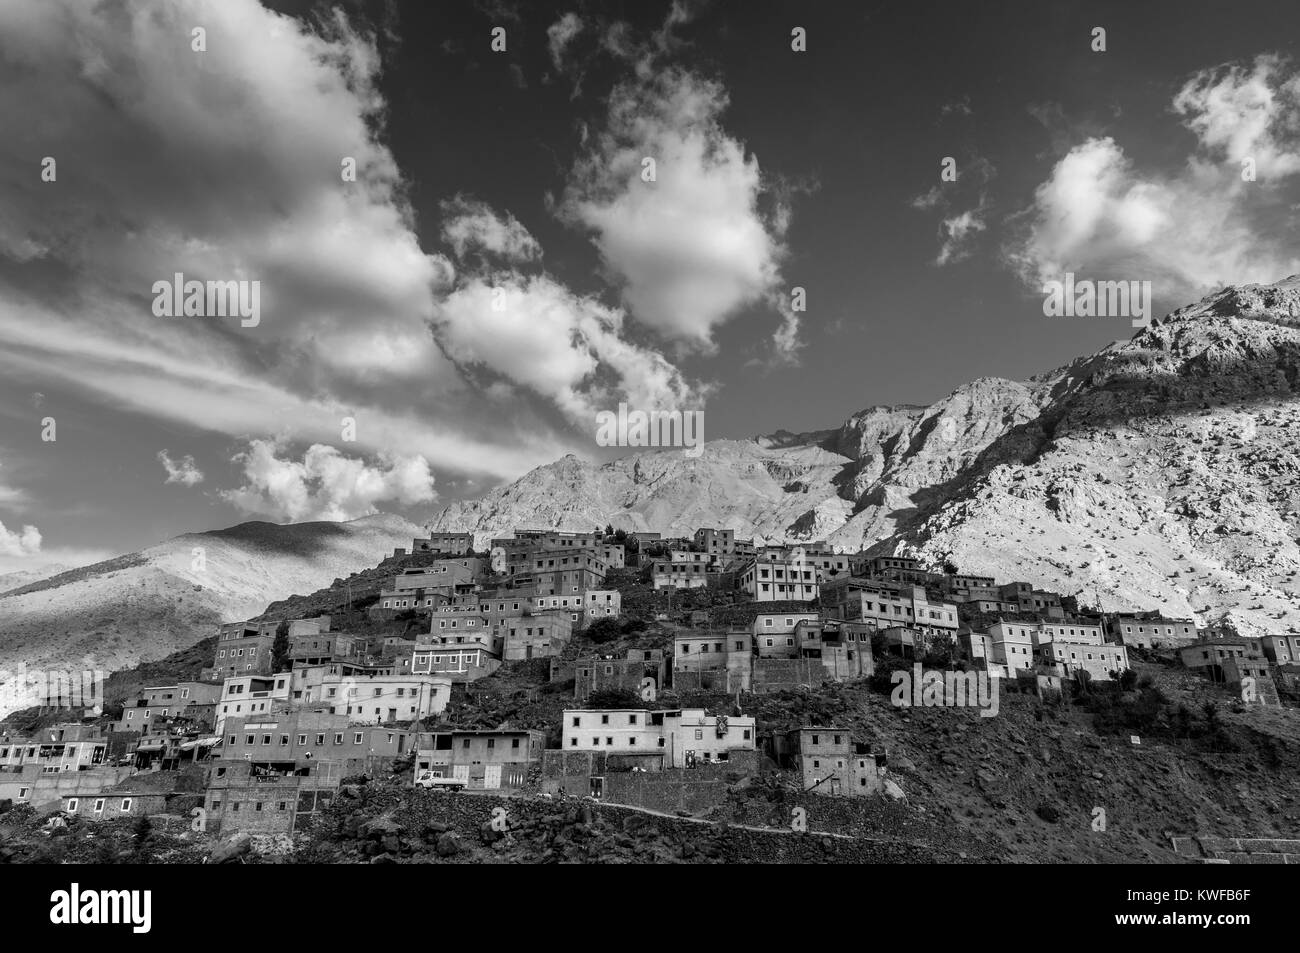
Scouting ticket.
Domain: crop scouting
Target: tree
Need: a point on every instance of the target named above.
(141, 831)
(609, 530)
(949, 567)
(280, 648)
(614, 698)
(603, 630)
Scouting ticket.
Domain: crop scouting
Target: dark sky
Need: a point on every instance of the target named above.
(1115, 164)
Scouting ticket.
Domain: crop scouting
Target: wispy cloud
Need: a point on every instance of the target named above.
(181, 471)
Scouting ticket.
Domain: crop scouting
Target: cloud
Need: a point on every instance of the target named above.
(325, 485)
(958, 228)
(1191, 229)
(536, 333)
(469, 224)
(559, 35)
(19, 543)
(183, 471)
(1239, 112)
(224, 164)
(959, 106)
(690, 249)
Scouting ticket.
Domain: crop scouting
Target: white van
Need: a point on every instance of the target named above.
(430, 781)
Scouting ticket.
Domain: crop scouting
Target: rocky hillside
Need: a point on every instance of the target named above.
(1157, 473)
(113, 614)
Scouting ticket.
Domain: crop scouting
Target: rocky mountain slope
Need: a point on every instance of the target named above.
(1161, 472)
(142, 606)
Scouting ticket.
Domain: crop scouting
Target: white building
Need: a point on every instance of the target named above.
(384, 699)
(243, 695)
(772, 578)
(1097, 659)
(682, 736)
(774, 633)
(1012, 644)
(601, 604)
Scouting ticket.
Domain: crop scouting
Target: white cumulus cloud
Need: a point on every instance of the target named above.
(19, 543)
(325, 484)
(569, 348)
(691, 248)
(1191, 229)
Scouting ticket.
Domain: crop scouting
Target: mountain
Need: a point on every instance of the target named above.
(25, 577)
(145, 605)
(1161, 472)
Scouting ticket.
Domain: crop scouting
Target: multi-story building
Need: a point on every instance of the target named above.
(1031, 601)
(832, 763)
(272, 774)
(721, 659)
(774, 578)
(1100, 660)
(1081, 633)
(1210, 655)
(462, 661)
(255, 695)
(1282, 649)
(716, 542)
(46, 767)
(683, 569)
(681, 737)
(886, 604)
(321, 647)
(902, 569)
(633, 673)
(459, 625)
(774, 633)
(490, 759)
(977, 646)
(1150, 629)
(1012, 644)
(613, 555)
(182, 699)
(243, 648)
(536, 636)
(844, 648)
(563, 573)
(386, 699)
(601, 604)
(450, 544)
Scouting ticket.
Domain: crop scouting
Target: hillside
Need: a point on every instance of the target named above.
(142, 606)
(1161, 472)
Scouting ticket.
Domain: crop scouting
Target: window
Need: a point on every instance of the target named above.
(126, 805)
(356, 738)
(72, 805)
(338, 738)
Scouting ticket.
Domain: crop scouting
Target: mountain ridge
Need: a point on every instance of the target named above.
(1004, 476)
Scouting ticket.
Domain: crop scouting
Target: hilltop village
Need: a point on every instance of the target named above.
(401, 678)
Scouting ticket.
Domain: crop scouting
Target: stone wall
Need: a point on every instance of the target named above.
(1209, 849)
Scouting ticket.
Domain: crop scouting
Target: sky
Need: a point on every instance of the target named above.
(462, 254)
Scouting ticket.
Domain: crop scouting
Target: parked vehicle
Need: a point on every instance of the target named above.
(432, 782)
